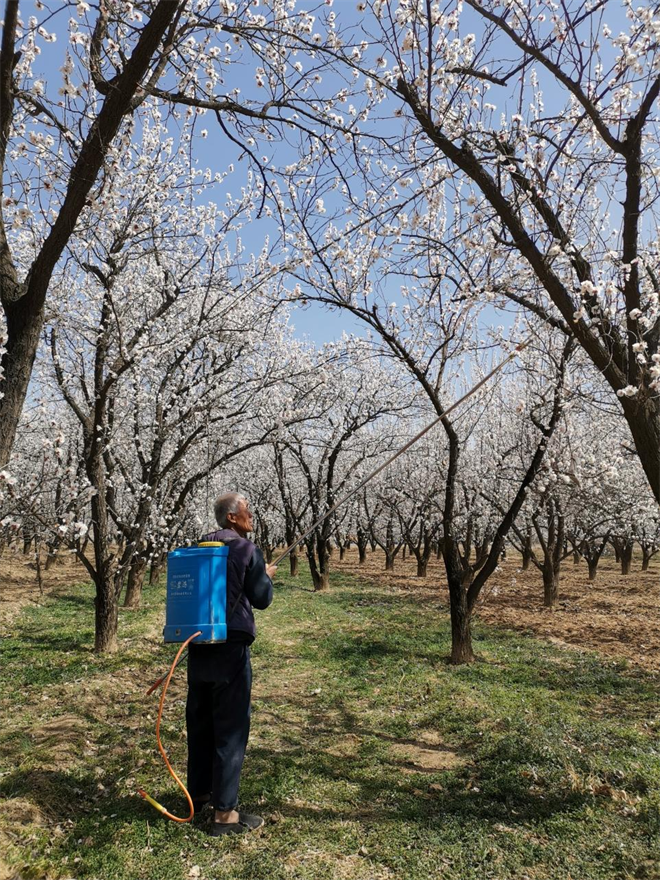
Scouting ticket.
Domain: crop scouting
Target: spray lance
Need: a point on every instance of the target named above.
(182, 656)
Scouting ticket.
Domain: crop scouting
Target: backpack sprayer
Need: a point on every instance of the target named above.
(196, 604)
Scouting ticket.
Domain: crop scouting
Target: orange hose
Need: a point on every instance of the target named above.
(154, 803)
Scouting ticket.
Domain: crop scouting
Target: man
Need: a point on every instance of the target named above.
(220, 677)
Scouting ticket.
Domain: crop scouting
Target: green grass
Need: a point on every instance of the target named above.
(370, 756)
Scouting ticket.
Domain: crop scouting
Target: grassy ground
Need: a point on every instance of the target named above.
(370, 756)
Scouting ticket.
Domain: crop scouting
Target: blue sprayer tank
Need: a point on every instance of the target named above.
(197, 593)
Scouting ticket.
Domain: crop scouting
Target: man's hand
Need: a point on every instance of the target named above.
(270, 570)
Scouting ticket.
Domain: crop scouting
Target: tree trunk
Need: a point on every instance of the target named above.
(320, 577)
(156, 568)
(626, 557)
(136, 574)
(461, 624)
(293, 564)
(313, 567)
(362, 543)
(422, 565)
(106, 614)
(623, 551)
(323, 582)
(576, 557)
(319, 568)
(37, 562)
(593, 567)
(550, 585)
(643, 416)
(23, 331)
(527, 552)
(389, 560)
(105, 559)
(342, 552)
(647, 555)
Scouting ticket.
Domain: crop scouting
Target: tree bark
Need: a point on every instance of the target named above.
(362, 544)
(293, 564)
(135, 581)
(643, 416)
(550, 584)
(527, 552)
(647, 555)
(320, 578)
(626, 558)
(23, 334)
(157, 566)
(319, 564)
(105, 558)
(461, 624)
(106, 615)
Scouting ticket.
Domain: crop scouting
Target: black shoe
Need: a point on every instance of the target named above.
(198, 806)
(245, 824)
(252, 822)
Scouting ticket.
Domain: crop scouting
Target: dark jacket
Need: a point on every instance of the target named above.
(247, 579)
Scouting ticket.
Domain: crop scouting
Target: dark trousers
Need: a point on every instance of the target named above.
(218, 720)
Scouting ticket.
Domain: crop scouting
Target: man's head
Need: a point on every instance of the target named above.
(232, 511)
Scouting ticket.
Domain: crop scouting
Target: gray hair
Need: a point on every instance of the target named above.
(225, 504)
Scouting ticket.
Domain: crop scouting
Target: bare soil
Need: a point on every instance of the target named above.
(19, 584)
(617, 615)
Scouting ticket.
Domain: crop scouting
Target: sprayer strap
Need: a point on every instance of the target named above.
(233, 608)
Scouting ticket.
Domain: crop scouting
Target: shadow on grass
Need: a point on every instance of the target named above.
(371, 788)
(65, 795)
(385, 790)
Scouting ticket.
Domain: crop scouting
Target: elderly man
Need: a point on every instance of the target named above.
(220, 677)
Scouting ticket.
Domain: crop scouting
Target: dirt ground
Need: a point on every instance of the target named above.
(19, 585)
(617, 615)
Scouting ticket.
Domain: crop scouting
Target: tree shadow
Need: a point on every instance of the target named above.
(63, 795)
(387, 790)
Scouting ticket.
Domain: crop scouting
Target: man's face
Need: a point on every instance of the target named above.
(242, 520)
